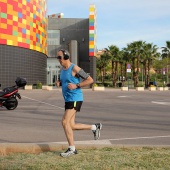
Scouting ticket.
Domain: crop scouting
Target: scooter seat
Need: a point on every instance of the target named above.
(2, 93)
(7, 90)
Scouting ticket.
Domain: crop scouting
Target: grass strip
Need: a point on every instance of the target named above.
(107, 158)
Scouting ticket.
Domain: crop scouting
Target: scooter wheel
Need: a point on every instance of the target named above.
(11, 104)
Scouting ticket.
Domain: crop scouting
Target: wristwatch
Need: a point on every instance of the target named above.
(78, 85)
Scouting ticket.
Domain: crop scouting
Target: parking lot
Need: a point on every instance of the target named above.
(128, 118)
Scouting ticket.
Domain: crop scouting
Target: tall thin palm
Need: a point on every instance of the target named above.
(136, 51)
(126, 59)
(102, 63)
(166, 55)
(114, 54)
(151, 54)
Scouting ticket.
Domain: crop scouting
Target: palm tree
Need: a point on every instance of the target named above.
(166, 55)
(126, 59)
(151, 54)
(114, 54)
(166, 50)
(121, 64)
(102, 63)
(136, 51)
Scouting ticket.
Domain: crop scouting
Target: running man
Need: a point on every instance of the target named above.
(71, 88)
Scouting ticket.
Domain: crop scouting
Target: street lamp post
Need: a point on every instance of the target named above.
(164, 76)
(167, 76)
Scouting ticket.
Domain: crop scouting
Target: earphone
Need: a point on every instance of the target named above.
(66, 56)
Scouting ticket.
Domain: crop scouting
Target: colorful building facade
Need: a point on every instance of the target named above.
(92, 31)
(23, 40)
(23, 23)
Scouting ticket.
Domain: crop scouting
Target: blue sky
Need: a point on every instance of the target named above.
(120, 22)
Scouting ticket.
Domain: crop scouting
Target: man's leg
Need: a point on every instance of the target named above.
(69, 125)
(79, 126)
(69, 113)
(95, 128)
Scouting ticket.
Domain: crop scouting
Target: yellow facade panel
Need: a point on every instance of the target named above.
(31, 46)
(37, 48)
(91, 9)
(31, 15)
(9, 42)
(20, 39)
(24, 2)
(91, 46)
(28, 32)
(34, 8)
(15, 18)
(24, 21)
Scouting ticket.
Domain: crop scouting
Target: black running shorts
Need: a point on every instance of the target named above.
(76, 105)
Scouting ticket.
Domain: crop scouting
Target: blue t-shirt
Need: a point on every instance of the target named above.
(66, 77)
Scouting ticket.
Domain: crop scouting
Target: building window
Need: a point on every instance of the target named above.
(53, 37)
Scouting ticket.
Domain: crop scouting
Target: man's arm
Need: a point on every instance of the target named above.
(87, 79)
(58, 82)
(86, 82)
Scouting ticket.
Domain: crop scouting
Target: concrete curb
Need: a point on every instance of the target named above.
(7, 148)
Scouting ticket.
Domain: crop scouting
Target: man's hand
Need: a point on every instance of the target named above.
(57, 83)
(72, 86)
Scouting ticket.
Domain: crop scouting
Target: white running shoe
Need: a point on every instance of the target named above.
(68, 152)
(97, 131)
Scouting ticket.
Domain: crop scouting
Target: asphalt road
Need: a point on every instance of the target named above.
(128, 118)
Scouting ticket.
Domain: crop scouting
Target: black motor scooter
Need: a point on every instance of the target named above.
(8, 96)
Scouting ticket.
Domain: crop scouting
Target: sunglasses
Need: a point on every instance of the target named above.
(59, 57)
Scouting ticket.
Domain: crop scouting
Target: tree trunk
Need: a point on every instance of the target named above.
(148, 72)
(137, 71)
(125, 71)
(121, 73)
(113, 74)
(104, 72)
(101, 74)
(115, 77)
(146, 75)
(134, 71)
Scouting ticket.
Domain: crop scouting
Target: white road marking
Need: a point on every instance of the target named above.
(162, 103)
(122, 96)
(136, 138)
(90, 142)
(43, 102)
